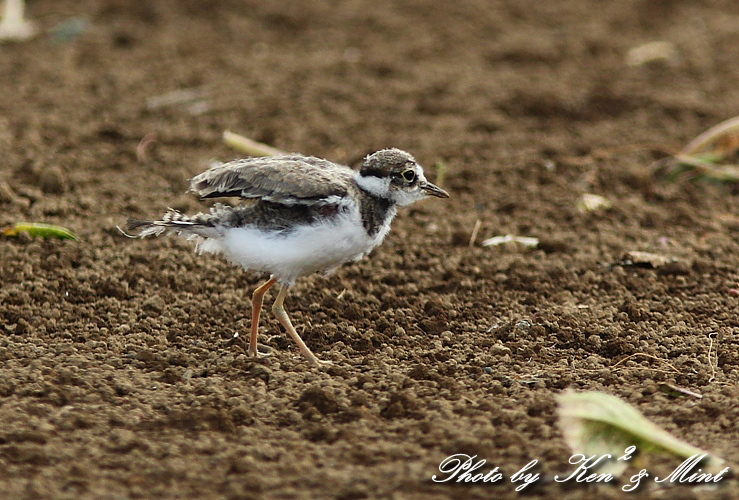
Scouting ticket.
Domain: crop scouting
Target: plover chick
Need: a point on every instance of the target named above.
(306, 215)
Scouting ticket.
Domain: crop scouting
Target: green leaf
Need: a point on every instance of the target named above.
(40, 230)
(595, 423)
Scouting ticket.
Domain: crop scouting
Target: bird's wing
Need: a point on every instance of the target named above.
(288, 180)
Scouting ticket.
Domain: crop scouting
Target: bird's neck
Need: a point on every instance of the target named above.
(373, 185)
(376, 213)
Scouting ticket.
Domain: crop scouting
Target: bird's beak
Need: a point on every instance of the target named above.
(432, 190)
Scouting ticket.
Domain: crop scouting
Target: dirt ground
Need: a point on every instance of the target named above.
(121, 376)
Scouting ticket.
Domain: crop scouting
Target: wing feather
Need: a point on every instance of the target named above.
(288, 180)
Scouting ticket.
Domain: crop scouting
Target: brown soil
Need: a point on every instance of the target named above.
(120, 373)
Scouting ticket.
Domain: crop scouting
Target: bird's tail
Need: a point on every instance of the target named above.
(172, 221)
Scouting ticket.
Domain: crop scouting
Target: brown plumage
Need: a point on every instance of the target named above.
(280, 179)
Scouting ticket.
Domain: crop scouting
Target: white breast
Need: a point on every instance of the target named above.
(305, 250)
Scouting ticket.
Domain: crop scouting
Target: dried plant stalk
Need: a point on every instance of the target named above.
(249, 146)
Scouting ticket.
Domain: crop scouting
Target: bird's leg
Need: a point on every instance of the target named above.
(256, 308)
(282, 317)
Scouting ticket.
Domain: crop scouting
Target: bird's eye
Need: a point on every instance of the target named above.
(408, 175)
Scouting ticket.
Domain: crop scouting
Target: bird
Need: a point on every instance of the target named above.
(303, 215)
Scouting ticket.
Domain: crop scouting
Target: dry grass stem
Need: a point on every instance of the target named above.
(724, 134)
(475, 230)
(249, 146)
(645, 355)
(711, 363)
(712, 155)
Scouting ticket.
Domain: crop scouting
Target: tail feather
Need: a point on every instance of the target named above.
(172, 221)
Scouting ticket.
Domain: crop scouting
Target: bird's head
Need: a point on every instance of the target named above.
(396, 176)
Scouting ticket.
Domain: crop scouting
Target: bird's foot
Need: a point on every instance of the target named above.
(259, 352)
(322, 364)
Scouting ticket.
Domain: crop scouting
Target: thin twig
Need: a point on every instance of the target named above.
(713, 367)
(143, 143)
(646, 356)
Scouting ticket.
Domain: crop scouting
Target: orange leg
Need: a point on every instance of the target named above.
(282, 317)
(256, 308)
